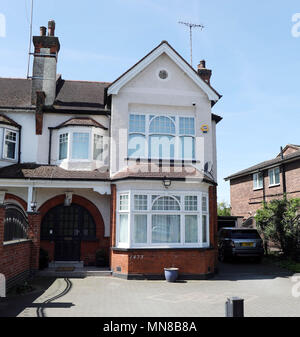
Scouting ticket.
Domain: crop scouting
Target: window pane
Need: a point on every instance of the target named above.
(257, 180)
(166, 204)
(162, 124)
(191, 228)
(137, 123)
(187, 148)
(140, 202)
(98, 147)
(186, 126)
(277, 175)
(136, 146)
(9, 150)
(190, 203)
(162, 147)
(63, 146)
(260, 180)
(204, 228)
(204, 204)
(123, 228)
(165, 228)
(124, 202)
(80, 149)
(140, 228)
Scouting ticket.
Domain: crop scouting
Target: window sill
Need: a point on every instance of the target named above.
(15, 242)
(119, 249)
(258, 189)
(274, 185)
(149, 160)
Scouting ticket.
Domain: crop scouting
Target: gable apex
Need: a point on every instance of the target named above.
(163, 47)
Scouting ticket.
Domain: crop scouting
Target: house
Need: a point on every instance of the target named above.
(265, 181)
(128, 167)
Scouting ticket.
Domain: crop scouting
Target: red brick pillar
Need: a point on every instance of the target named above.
(213, 215)
(2, 219)
(34, 231)
(113, 205)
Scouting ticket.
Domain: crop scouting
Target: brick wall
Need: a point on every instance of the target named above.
(245, 201)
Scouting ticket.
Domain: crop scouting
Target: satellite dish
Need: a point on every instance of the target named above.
(208, 167)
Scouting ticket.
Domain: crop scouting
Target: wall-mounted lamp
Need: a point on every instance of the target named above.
(33, 205)
(68, 198)
(167, 182)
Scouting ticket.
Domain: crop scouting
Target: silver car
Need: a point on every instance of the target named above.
(239, 242)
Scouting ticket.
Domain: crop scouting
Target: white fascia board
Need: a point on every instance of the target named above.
(164, 48)
(95, 185)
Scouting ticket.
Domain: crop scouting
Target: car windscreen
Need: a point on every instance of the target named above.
(244, 234)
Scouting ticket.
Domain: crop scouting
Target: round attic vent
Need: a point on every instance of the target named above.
(163, 74)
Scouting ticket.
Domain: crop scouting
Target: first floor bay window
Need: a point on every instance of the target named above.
(10, 145)
(154, 220)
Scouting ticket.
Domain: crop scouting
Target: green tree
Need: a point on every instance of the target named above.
(278, 221)
(224, 209)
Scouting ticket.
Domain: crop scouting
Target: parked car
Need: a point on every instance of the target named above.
(239, 242)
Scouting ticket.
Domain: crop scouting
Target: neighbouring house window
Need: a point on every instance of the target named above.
(10, 145)
(80, 146)
(274, 176)
(159, 220)
(257, 180)
(15, 223)
(63, 146)
(98, 147)
(161, 137)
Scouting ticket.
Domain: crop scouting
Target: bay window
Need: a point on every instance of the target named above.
(155, 220)
(161, 137)
(80, 145)
(63, 146)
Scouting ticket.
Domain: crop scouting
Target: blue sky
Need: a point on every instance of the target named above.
(248, 45)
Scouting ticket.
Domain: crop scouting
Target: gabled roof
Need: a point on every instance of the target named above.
(265, 165)
(8, 121)
(80, 121)
(163, 47)
(291, 148)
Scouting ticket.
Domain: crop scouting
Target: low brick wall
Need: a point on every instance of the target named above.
(15, 260)
(147, 263)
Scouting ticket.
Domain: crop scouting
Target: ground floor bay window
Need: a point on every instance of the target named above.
(162, 220)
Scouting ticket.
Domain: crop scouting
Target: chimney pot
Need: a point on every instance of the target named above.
(51, 28)
(43, 31)
(204, 73)
(202, 65)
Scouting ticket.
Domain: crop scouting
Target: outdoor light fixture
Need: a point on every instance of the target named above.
(167, 182)
(33, 205)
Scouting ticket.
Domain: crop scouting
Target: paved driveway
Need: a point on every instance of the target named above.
(267, 291)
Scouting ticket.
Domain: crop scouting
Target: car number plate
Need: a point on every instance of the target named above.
(247, 244)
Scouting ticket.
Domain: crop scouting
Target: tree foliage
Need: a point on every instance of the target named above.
(279, 223)
(224, 209)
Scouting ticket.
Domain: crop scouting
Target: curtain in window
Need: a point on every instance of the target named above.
(140, 228)
(165, 228)
(162, 147)
(136, 146)
(191, 229)
(123, 228)
(80, 149)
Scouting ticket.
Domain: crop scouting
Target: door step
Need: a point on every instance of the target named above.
(65, 264)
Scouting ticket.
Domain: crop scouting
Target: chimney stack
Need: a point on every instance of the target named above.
(46, 48)
(204, 73)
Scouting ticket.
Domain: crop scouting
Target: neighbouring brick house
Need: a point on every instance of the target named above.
(265, 181)
(128, 167)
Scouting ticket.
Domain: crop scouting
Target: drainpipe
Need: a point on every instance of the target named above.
(19, 149)
(283, 173)
(50, 147)
(264, 191)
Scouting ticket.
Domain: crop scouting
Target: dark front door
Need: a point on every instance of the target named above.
(67, 226)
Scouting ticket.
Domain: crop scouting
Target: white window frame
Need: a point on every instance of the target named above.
(70, 131)
(272, 172)
(256, 181)
(149, 212)
(177, 135)
(5, 131)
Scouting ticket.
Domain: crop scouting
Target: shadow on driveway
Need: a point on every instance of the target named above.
(246, 269)
(13, 305)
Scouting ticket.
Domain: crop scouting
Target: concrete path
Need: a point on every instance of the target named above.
(267, 291)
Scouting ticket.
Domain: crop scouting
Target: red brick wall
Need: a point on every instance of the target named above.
(88, 248)
(153, 261)
(15, 259)
(244, 199)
